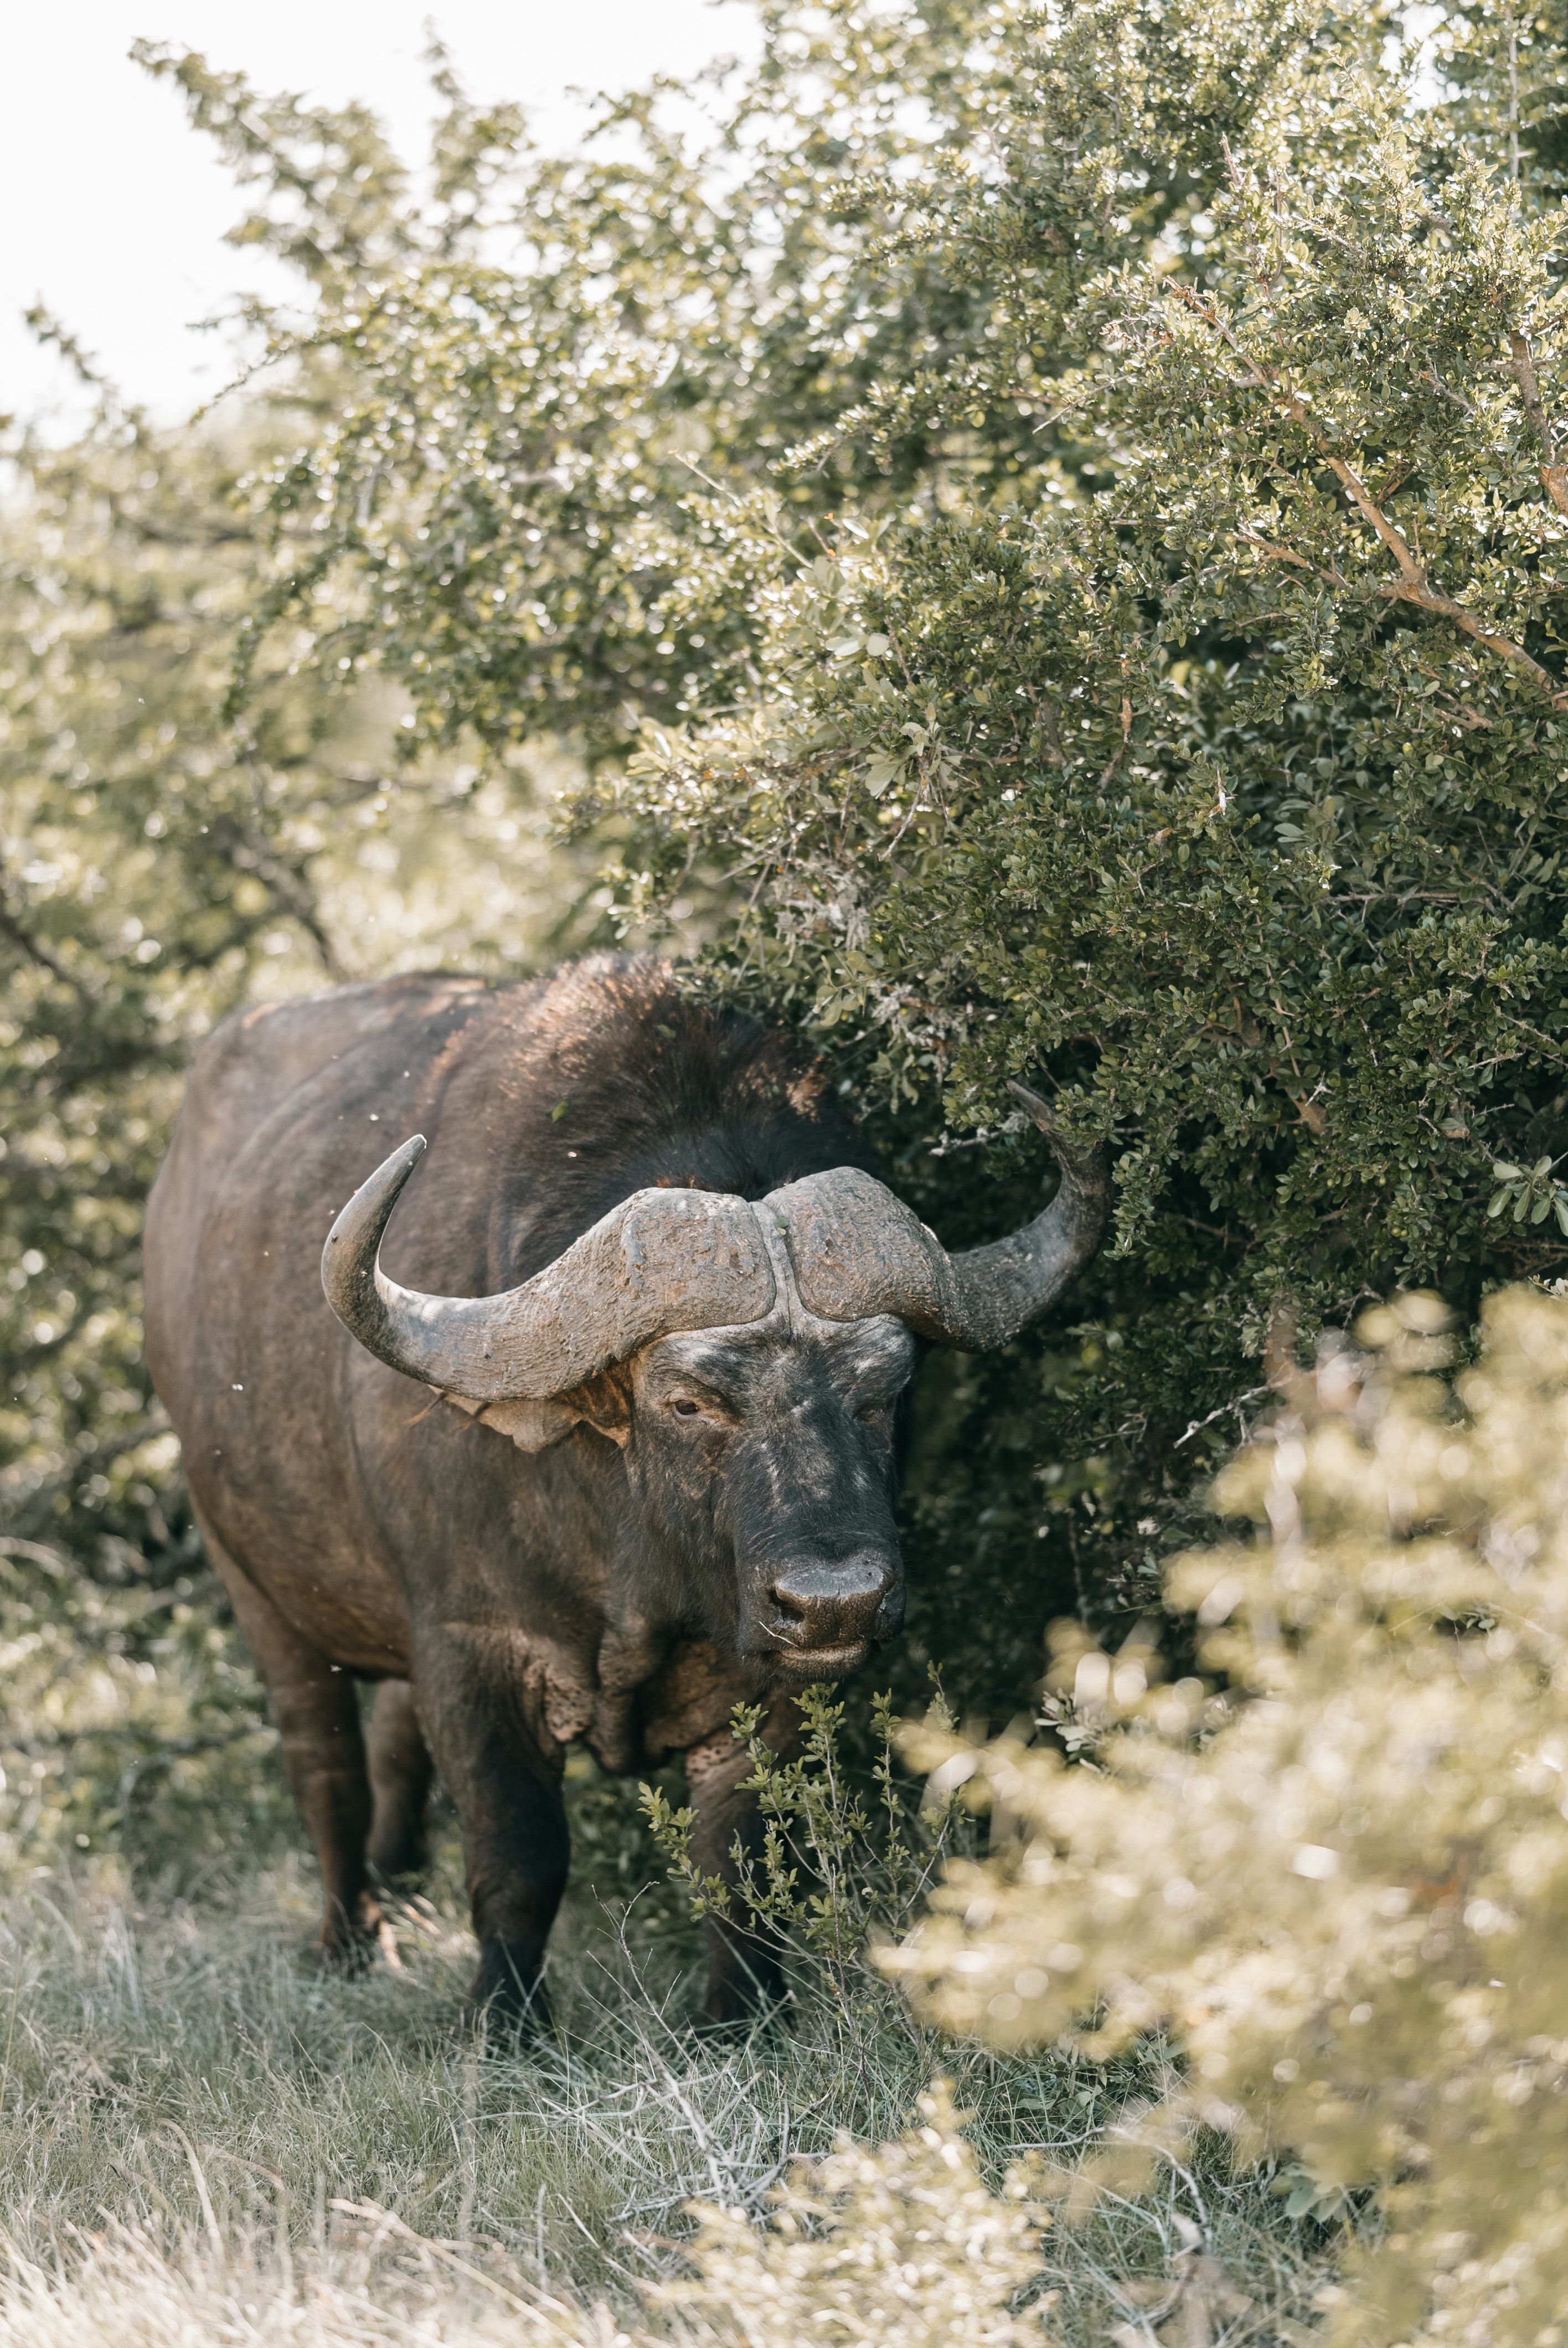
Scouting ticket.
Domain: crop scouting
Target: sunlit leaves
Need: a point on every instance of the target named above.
(1336, 1871)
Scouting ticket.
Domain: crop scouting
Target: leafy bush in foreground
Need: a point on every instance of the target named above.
(906, 2248)
(1345, 1879)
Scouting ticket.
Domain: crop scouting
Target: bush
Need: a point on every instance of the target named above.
(1045, 526)
(848, 1855)
(1213, 774)
(906, 2248)
(1341, 1879)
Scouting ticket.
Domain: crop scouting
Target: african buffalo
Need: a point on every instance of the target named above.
(625, 1457)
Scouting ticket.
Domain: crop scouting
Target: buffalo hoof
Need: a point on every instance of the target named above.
(745, 1991)
(349, 1946)
(348, 1955)
(401, 1867)
(507, 2004)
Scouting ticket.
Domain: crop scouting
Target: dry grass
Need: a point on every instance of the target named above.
(205, 2138)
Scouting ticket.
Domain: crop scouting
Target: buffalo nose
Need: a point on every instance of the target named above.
(829, 1604)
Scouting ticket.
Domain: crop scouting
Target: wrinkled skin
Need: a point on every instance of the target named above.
(714, 1525)
(764, 1458)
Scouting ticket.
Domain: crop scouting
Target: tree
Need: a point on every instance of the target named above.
(1047, 529)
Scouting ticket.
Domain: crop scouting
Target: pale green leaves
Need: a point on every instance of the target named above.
(1533, 1194)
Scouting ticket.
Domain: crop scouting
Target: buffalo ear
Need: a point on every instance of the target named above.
(599, 1402)
(532, 1425)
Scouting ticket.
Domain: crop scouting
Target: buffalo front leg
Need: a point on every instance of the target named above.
(472, 1687)
(746, 1974)
(317, 1713)
(400, 1774)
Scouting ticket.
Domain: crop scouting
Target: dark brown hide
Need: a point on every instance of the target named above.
(363, 1527)
(706, 1517)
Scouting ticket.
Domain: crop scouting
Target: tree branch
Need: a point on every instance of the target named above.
(246, 847)
(1266, 546)
(1413, 585)
(36, 952)
(1554, 474)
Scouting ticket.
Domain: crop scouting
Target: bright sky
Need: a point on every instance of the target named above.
(113, 211)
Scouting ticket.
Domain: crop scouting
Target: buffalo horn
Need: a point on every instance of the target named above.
(857, 1250)
(664, 1260)
(660, 1262)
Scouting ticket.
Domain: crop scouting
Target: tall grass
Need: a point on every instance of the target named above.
(205, 2138)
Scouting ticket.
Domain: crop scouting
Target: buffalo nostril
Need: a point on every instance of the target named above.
(822, 1604)
(789, 1609)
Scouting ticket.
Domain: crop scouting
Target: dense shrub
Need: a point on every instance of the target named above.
(1047, 525)
(1339, 1868)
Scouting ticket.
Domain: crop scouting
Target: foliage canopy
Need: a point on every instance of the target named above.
(1043, 530)
(1047, 526)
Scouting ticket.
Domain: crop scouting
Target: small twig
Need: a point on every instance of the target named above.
(1237, 1403)
(1333, 575)
(1430, 375)
(1553, 474)
(27, 944)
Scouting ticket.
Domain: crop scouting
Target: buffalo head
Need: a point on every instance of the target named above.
(747, 1356)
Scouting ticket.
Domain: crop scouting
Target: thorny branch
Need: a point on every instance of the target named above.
(36, 952)
(1414, 584)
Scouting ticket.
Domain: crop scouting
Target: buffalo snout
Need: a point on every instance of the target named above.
(823, 1613)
